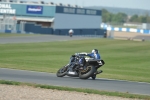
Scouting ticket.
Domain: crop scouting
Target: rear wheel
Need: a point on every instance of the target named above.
(88, 72)
(62, 71)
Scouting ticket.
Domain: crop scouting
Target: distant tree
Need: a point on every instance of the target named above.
(121, 17)
(147, 18)
(134, 18)
(108, 17)
(140, 19)
(143, 19)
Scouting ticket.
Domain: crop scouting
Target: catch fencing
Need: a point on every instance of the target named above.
(9, 24)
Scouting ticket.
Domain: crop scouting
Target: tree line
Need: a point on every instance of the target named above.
(108, 17)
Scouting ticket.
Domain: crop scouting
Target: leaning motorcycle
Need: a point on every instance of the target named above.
(90, 68)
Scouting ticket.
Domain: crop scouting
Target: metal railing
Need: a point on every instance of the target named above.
(8, 23)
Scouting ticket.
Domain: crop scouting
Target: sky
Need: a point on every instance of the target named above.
(136, 4)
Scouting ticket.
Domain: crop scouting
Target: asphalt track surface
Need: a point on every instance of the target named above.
(39, 38)
(75, 82)
(52, 79)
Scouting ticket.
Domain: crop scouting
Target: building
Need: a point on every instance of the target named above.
(48, 18)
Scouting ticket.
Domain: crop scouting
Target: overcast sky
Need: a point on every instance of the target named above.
(140, 4)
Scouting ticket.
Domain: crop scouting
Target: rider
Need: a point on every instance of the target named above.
(95, 54)
(71, 32)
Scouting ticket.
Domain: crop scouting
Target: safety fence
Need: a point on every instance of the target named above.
(9, 24)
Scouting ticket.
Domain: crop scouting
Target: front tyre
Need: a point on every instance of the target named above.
(88, 72)
(62, 72)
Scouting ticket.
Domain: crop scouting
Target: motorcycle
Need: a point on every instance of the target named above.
(70, 34)
(90, 67)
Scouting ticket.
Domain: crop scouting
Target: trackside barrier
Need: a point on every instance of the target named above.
(33, 28)
(110, 28)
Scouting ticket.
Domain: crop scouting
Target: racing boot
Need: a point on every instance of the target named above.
(93, 77)
(98, 72)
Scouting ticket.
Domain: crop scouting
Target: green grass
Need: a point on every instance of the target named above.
(125, 60)
(89, 91)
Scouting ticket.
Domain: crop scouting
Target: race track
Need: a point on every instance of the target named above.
(39, 38)
(51, 79)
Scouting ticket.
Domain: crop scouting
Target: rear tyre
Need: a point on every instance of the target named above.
(88, 72)
(62, 72)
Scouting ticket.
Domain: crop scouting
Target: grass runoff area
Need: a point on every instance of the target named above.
(125, 60)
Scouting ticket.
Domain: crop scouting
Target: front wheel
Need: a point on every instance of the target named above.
(62, 71)
(88, 72)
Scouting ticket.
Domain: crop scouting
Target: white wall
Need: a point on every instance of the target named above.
(65, 21)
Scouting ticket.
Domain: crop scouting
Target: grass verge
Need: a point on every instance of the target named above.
(125, 60)
(89, 91)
